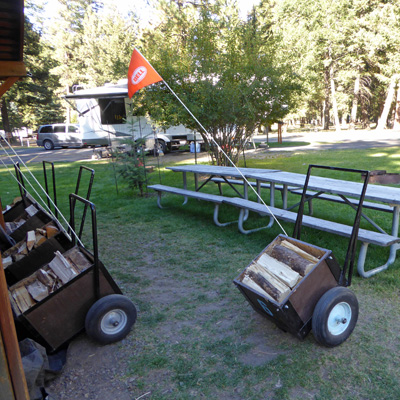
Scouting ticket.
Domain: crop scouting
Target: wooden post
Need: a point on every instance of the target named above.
(280, 131)
(10, 341)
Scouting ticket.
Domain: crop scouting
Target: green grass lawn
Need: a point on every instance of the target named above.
(196, 336)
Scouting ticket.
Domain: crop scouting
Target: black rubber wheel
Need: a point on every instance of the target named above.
(110, 319)
(335, 316)
(48, 145)
(159, 147)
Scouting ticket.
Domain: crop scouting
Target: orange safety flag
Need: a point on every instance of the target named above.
(140, 73)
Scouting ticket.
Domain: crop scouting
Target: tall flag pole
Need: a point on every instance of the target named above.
(141, 74)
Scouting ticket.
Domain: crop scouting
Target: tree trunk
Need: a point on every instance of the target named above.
(5, 119)
(353, 116)
(326, 101)
(388, 102)
(334, 104)
(397, 111)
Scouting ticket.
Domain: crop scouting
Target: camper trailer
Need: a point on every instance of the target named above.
(105, 118)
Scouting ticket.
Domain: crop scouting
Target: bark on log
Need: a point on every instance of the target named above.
(266, 284)
(292, 259)
(299, 251)
(253, 285)
(280, 270)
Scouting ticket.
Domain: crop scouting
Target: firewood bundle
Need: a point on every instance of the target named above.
(32, 240)
(48, 279)
(278, 270)
(11, 226)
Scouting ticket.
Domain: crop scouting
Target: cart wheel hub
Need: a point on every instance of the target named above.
(339, 318)
(113, 322)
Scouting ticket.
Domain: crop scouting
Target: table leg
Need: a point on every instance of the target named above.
(392, 253)
(185, 187)
(246, 196)
(285, 196)
(271, 202)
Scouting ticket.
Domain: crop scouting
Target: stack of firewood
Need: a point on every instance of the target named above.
(274, 275)
(10, 227)
(47, 279)
(32, 240)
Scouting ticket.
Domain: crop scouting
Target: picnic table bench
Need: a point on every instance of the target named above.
(365, 236)
(213, 198)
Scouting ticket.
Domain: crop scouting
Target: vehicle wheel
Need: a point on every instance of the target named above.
(48, 145)
(335, 316)
(160, 147)
(110, 319)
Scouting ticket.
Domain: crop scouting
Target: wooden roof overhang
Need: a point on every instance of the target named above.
(12, 67)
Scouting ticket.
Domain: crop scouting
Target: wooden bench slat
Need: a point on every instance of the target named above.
(254, 184)
(337, 199)
(214, 198)
(364, 235)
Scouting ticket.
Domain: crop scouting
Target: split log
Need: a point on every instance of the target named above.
(39, 239)
(22, 298)
(292, 259)
(41, 231)
(22, 249)
(7, 261)
(45, 278)
(280, 270)
(62, 268)
(30, 240)
(31, 210)
(253, 285)
(37, 290)
(77, 259)
(299, 251)
(268, 282)
(51, 230)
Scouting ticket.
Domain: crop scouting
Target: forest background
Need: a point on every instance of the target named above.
(312, 61)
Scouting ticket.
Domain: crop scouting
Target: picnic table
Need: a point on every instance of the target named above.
(381, 198)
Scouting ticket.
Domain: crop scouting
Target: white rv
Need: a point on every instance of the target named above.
(105, 117)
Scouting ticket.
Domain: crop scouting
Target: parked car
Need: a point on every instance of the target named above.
(59, 135)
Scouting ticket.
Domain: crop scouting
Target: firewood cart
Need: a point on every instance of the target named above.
(320, 300)
(52, 309)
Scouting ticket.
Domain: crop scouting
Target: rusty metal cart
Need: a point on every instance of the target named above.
(321, 300)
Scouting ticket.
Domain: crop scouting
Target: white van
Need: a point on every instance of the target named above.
(59, 135)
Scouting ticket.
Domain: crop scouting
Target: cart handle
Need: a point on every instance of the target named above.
(72, 202)
(47, 186)
(351, 249)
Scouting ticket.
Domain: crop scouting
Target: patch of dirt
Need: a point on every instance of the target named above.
(260, 352)
(92, 372)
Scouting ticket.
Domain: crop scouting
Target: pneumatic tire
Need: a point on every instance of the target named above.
(110, 319)
(335, 316)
